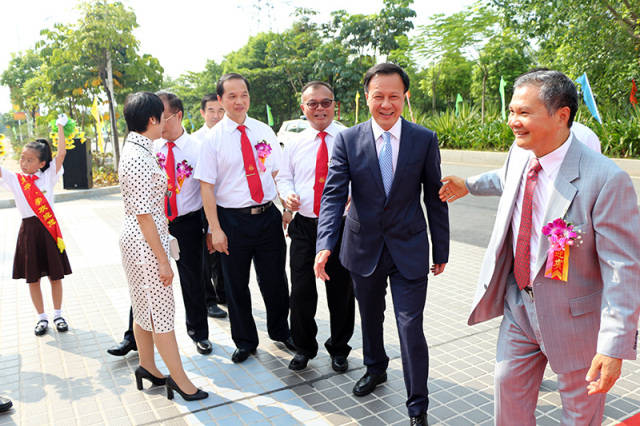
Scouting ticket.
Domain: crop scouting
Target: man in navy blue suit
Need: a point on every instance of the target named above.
(388, 161)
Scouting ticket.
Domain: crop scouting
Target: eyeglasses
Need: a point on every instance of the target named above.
(170, 117)
(325, 103)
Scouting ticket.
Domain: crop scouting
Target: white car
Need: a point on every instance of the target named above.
(291, 128)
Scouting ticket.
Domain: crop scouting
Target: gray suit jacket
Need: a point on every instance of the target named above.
(597, 308)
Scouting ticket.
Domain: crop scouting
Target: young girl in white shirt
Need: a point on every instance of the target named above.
(40, 249)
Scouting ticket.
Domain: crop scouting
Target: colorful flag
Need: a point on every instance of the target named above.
(589, 100)
(459, 100)
(191, 121)
(634, 90)
(96, 116)
(357, 102)
(502, 86)
(269, 116)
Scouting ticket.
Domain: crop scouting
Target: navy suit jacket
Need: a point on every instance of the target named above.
(373, 219)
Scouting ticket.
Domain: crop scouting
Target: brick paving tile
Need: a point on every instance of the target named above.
(69, 379)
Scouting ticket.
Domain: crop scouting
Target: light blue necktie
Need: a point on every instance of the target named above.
(386, 162)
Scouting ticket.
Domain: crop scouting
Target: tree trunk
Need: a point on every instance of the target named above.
(433, 89)
(112, 112)
(484, 91)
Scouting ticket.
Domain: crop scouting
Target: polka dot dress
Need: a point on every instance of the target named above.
(143, 185)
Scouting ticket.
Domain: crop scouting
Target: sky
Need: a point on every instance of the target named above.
(184, 34)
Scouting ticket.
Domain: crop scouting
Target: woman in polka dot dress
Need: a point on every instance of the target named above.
(144, 244)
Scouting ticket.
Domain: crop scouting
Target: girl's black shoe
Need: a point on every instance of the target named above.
(142, 373)
(172, 386)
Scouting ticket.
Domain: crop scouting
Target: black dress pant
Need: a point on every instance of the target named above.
(258, 238)
(213, 278)
(189, 232)
(128, 334)
(304, 294)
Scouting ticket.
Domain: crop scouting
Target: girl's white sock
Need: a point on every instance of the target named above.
(43, 316)
(57, 313)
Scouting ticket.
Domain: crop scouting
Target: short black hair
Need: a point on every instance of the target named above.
(42, 147)
(175, 103)
(211, 97)
(314, 84)
(556, 90)
(229, 76)
(139, 107)
(386, 68)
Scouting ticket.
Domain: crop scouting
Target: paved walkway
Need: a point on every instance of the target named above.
(69, 379)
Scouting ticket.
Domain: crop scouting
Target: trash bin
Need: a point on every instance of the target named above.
(77, 166)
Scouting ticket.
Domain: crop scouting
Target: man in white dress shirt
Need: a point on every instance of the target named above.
(212, 112)
(237, 167)
(300, 183)
(178, 153)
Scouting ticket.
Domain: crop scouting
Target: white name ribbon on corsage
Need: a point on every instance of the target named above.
(561, 236)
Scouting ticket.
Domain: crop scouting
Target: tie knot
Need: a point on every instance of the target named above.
(534, 167)
(171, 144)
(31, 178)
(322, 135)
(386, 136)
(241, 128)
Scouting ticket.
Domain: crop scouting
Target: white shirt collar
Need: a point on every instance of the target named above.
(229, 125)
(180, 141)
(552, 161)
(332, 130)
(378, 131)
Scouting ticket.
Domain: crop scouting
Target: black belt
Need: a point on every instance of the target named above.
(313, 220)
(186, 216)
(253, 209)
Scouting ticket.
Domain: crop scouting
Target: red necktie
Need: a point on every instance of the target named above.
(322, 168)
(250, 168)
(170, 202)
(522, 262)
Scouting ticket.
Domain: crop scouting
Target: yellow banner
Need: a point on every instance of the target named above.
(96, 116)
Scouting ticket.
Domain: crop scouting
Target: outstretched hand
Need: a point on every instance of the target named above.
(453, 188)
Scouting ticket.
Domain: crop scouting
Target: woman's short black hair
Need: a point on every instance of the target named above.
(42, 147)
(139, 107)
(386, 68)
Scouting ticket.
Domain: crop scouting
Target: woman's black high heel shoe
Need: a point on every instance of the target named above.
(142, 373)
(172, 386)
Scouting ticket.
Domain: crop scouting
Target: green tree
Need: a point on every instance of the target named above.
(599, 37)
(22, 68)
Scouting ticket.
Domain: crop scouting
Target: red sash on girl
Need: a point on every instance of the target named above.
(41, 207)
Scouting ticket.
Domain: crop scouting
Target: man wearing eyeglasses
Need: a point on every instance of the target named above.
(300, 184)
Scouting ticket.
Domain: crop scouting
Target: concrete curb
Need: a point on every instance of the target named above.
(69, 195)
(497, 159)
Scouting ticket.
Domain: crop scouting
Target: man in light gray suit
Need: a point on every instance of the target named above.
(585, 326)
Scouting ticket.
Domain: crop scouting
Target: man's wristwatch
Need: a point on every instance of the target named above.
(287, 210)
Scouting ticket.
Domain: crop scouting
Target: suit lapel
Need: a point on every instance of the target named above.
(517, 162)
(370, 152)
(561, 197)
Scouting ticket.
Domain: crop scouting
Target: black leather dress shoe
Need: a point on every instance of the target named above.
(5, 404)
(204, 346)
(299, 362)
(214, 311)
(339, 363)
(288, 343)
(420, 420)
(241, 355)
(122, 348)
(368, 383)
